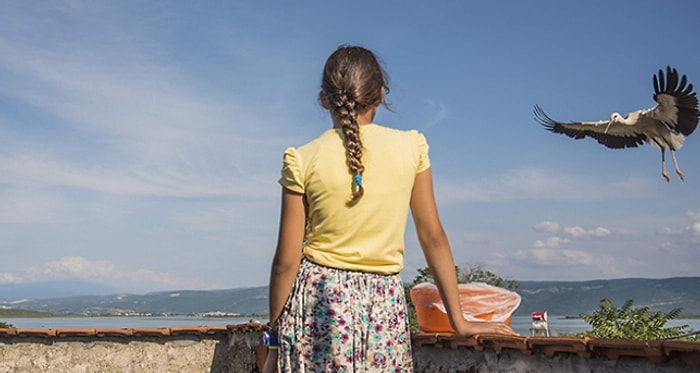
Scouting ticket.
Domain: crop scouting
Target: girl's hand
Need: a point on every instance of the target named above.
(469, 328)
(271, 361)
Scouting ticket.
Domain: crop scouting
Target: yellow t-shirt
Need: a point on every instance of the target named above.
(368, 236)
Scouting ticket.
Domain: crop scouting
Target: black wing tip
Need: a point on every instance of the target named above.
(686, 100)
(672, 83)
(543, 119)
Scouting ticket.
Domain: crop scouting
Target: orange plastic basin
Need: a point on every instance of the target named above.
(479, 302)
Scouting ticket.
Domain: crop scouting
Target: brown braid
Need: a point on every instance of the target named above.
(344, 108)
(353, 82)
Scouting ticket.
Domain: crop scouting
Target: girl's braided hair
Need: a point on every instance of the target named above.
(353, 83)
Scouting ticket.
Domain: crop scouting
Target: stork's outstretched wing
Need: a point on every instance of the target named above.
(664, 126)
(677, 103)
(617, 136)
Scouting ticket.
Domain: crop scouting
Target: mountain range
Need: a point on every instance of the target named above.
(556, 297)
(574, 298)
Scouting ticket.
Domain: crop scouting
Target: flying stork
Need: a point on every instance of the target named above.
(664, 126)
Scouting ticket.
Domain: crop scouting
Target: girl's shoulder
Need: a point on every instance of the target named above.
(390, 133)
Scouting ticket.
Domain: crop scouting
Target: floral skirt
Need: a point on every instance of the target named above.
(344, 321)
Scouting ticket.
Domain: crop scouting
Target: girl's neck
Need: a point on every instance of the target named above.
(362, 119)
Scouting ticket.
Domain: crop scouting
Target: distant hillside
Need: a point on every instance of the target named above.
(555, 297)
(12, 313)
(240, 300)
(52, 289)
(573, 298)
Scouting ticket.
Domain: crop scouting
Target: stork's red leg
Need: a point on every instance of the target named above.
(675, 164)
(663, 165)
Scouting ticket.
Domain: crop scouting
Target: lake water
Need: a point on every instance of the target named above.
(521, 324)
(118, 322)
(560, 325)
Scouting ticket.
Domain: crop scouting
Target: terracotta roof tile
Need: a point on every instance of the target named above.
(216, 330)
(125, 332)
(36, 333)
(251, 327)
(151, 332)
(11, 332)
(442, 340)
(191, 330)
(499, 342)
(615, 348)
(689, 353)
(654, 351)
(75, 332)
(551, 346)
(454, 341)
(425, 339)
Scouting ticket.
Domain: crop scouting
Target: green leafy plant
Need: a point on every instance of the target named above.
(469, 273)
(5, 325)
(477, 273)
(628, 322)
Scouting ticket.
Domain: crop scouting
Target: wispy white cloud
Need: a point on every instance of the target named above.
(548, 251)
(150, 108)
(26, 206)
(438, 113)
(555, 257)
(578, 232)
(223, 222)
(688, 230)
(552, 241)
(149, 129)
(695, 226)
(547, 226)
(98, 271)
(40, 170)
(527, 183)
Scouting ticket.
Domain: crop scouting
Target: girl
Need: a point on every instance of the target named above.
(345, 202)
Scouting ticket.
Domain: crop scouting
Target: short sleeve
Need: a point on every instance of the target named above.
(423, 157)
(291, 171)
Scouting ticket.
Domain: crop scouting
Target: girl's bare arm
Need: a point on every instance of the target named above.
(285, 264)
(438, 255)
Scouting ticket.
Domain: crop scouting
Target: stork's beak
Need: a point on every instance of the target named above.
(608, 127)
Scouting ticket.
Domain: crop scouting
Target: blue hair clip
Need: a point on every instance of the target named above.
(358, 180)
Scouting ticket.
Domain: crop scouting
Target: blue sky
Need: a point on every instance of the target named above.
(141, 141)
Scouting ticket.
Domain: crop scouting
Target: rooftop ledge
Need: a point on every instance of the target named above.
(662, 354)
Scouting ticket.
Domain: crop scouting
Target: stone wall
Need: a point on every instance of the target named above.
(428, 359)
(193, 350)
(134, 355)
(238, 349)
